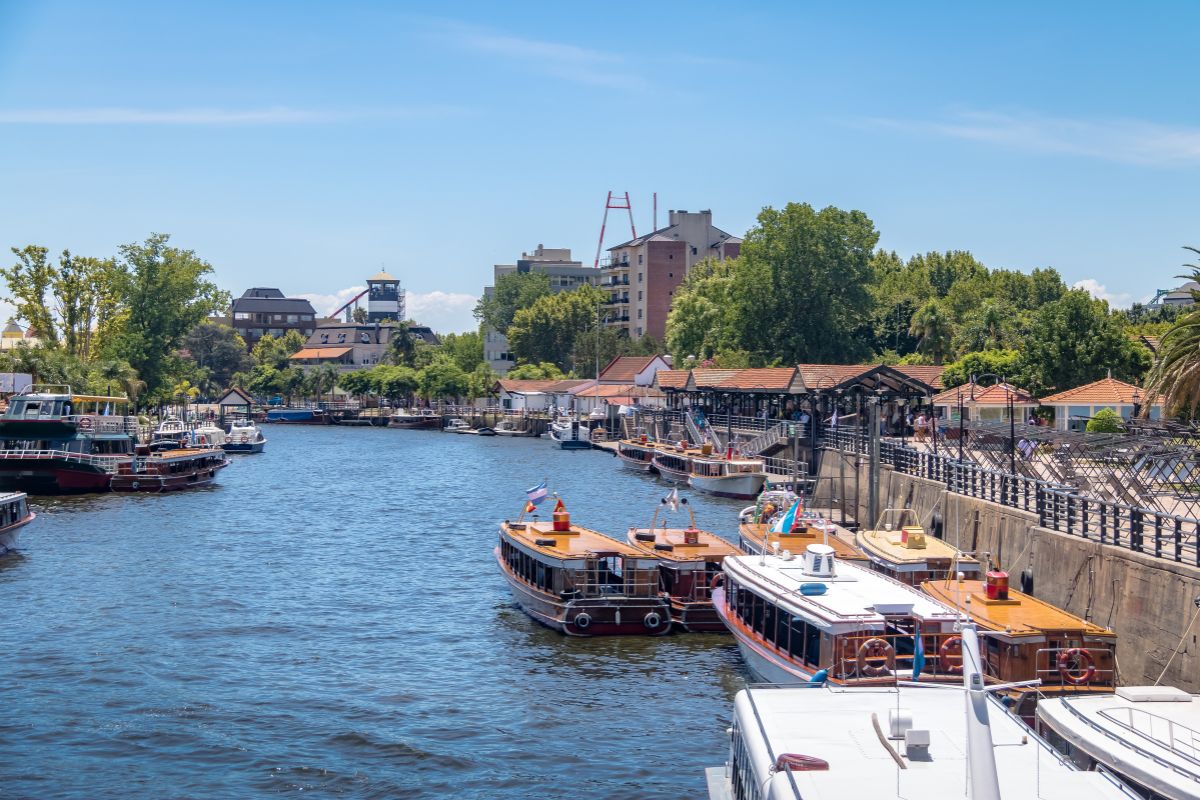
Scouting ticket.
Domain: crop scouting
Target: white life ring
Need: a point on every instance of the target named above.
(582, 621)
(652, 620)
(134, 485)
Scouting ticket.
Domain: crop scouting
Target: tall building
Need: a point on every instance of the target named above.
(385, 300)
(564, 274)
(261, 312)
(641, 275)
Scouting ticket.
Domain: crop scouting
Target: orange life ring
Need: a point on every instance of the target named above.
(717, 580)
(871, 652)
(952, 646)
(1079, 672)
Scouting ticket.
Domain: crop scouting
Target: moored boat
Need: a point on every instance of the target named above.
(14, 515)
(299, 416)
(456, 425)
(484, 431)
(899, 547)
(636, 454)
(727, 476)
(579, 581)
(506, 427)
(770, 528)
(170, 470)
(244, 437)
(571, 435)
(417, 418)
(689, 560)
(53, 440)
(673, 463)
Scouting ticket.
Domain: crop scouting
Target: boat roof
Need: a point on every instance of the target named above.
(86, 398)
(1019, 615)
(575, 543)
(1151, 750)
(840, 539)
(720, 458)
(837, 726)
(708, 547)
(887, 545)
(854, 595)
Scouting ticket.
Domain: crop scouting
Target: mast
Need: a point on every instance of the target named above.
(984, 782)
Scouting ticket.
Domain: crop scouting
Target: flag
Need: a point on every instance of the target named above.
(785, 522)
(537, 494)
(530, 508)
(834, 421)
(559, 506)
(918, 655)
(671, 501)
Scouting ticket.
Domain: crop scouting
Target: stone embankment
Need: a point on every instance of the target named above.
(1151, 602)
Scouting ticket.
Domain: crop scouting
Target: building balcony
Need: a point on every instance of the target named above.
(616, 281)
(616, 320)
(614, 264)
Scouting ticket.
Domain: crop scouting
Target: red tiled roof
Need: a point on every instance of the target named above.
(671, 378)
(1103, 391)
(623, 369)
(994, 395)
(925, 373)
(612, 390)
(768, 379)
(821, 376)
(568, 385)
(710, 378)
(519, 386)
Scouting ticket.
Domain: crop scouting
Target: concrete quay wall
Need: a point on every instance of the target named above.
(1149, 601)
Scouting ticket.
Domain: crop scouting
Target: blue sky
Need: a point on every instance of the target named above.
(303, 145)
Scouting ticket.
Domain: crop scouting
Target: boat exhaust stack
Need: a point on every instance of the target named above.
(818, 561)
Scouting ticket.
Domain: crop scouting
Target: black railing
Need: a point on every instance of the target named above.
(1059, 508)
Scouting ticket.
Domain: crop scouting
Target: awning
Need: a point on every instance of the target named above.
(320, 352)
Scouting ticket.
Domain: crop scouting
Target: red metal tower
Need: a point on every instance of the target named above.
(618, 202)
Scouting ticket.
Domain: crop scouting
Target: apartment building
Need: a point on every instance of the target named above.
(565, 274)
(641, 275)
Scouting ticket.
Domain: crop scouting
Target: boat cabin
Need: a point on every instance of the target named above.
(900, 548)
(53, 418)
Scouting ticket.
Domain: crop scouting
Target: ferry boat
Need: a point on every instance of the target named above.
(899, 547)
(299, 416)
(170, 470)
(808, 617)
(636, 454)
(244, 437)
(579, 581)
(674, 463)
(689, 560)
(1027, 639)
(904, 741)
(53, 440)
(1147, 735)
(770, 527)
(422, 418)
(727, 476)
(14, 515)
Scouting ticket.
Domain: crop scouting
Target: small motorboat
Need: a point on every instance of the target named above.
(484, 431)
(507, 427)
(457, 425)
(244, 437)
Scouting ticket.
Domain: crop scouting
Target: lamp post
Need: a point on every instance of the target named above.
(960, 424)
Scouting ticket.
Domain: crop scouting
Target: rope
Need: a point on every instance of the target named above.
(1181, 640)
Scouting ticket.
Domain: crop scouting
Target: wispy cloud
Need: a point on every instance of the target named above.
(1128, 141)
(275, 115)
(568, 62)
(1101, 292)
(445, 312)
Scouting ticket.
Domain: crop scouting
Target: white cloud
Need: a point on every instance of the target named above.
(1127, 141)
(276, 115)
(1099, 291)
(445, 312)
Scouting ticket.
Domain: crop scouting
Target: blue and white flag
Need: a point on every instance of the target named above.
(538, 493)
(918, 655)
(787, 520)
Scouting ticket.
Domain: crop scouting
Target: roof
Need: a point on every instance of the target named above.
(523, 387)
(263, 293)
(1020, 615)
(320, 352)
(569, 386)
(841, 540)
(235, 394)
(381, 276)
(764, 379)
(609, 390)
(671, 378)
(661, 235)
(574, 543)
(273, 305)
(926, 373)
(623, 369)
(995, 395)
(1101, 392)
(887, 548)
(13, 331)
(708, 546)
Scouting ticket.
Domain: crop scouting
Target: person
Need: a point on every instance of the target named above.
(1033, 420)
(919, 427)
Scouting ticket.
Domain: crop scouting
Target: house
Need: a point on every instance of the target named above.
(601, 397)
(1074, 407)
(263, 312)
(635, 370)
(984, 403)
(353, 345)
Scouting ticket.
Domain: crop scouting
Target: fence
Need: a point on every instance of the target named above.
(1058, 507)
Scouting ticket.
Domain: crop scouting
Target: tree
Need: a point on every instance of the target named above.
(1074, 340)
(167, 294)
(482, 379)
(29, 281)
(443, 378)
(801, 286)
(275, 351)
(1005, 363)
(933, 330)
(465, 348)
(1106, 421)
(548, 330)
(323, 378)
(395, 381)
(544, 371)
(512, 292)
(1176, 372)
(359, 315)
(220, 351)
(115, 371)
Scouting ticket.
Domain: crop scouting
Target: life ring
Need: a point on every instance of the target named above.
(1076, 666)
(201, 439)
(717, 580)
(85, 423)
(951, 647)
(872, 651)
(134, 485)
(582, 621)
(652, 620)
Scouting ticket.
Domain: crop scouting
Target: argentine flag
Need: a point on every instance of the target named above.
(784, 524)
(538, 493)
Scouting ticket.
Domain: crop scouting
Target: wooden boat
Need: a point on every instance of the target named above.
(727, 476)
(636, 454)
(579, 581)
(53, 440)
(899, 547)
(14, 515)
(170, 470)
(756, 536)
(689, 559)
(1027, 638)
(414, 419)
(811, 618)
(674, 463)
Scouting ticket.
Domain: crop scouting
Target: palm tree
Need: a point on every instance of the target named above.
(1176, 371)
(324, 378)
(122, 374)
(933, 330)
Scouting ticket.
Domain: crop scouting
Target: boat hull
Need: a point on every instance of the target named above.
(765, 665)
(692, 617)
(52, 476)
(244, 447)
(738, 487)
(625, 616)
(636, 464)
(414, 424)
(156, 483)
(298, 417)
(668, 474)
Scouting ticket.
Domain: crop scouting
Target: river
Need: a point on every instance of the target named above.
(329, 618)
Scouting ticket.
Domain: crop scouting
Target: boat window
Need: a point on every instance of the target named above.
(32, 409)
(16, 408)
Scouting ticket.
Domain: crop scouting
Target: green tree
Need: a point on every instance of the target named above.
(1106, 421)
(115, 372)
(443, 378)
(549, 329)
(218, 350)
(1005, 363)
(512, 292)
(1074, 340)
(29, 282)
(167, 294)
(275, 351)
(933, 330)
(465, 348)
(397, 382)
(1176, 372)
(323, 378)
(545, 371)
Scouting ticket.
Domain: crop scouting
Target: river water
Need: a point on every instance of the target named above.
(330, 619)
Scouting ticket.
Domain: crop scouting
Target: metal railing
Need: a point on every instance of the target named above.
(1179, 739)
(1058, 507)
(107, 463)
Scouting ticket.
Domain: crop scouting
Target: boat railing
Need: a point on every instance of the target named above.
(109, 463)
(1088, 666)
(1179, 739)
(858, 660)
(1131, 744)
(103, 423)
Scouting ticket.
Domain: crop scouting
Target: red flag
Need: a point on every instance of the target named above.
(559, 506)
(530, 508)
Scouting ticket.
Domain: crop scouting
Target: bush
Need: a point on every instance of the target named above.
(1106, 421)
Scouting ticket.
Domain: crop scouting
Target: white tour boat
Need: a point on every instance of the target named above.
(244, 437)
(14, 515)
(1149, 735)
(728, 476)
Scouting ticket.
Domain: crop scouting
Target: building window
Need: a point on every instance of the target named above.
(670, 256)
(693, 250)
(639, 258)
(639, 331)
(639, 294)
(639, 277)
(241, 315)
(670, 274)
(639, 313)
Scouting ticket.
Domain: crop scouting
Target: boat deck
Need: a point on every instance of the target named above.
(1020, 615)
(840, 539)
(890, 546)
(708, 547)
(575, 543)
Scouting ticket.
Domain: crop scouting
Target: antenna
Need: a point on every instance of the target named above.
(620, 202)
